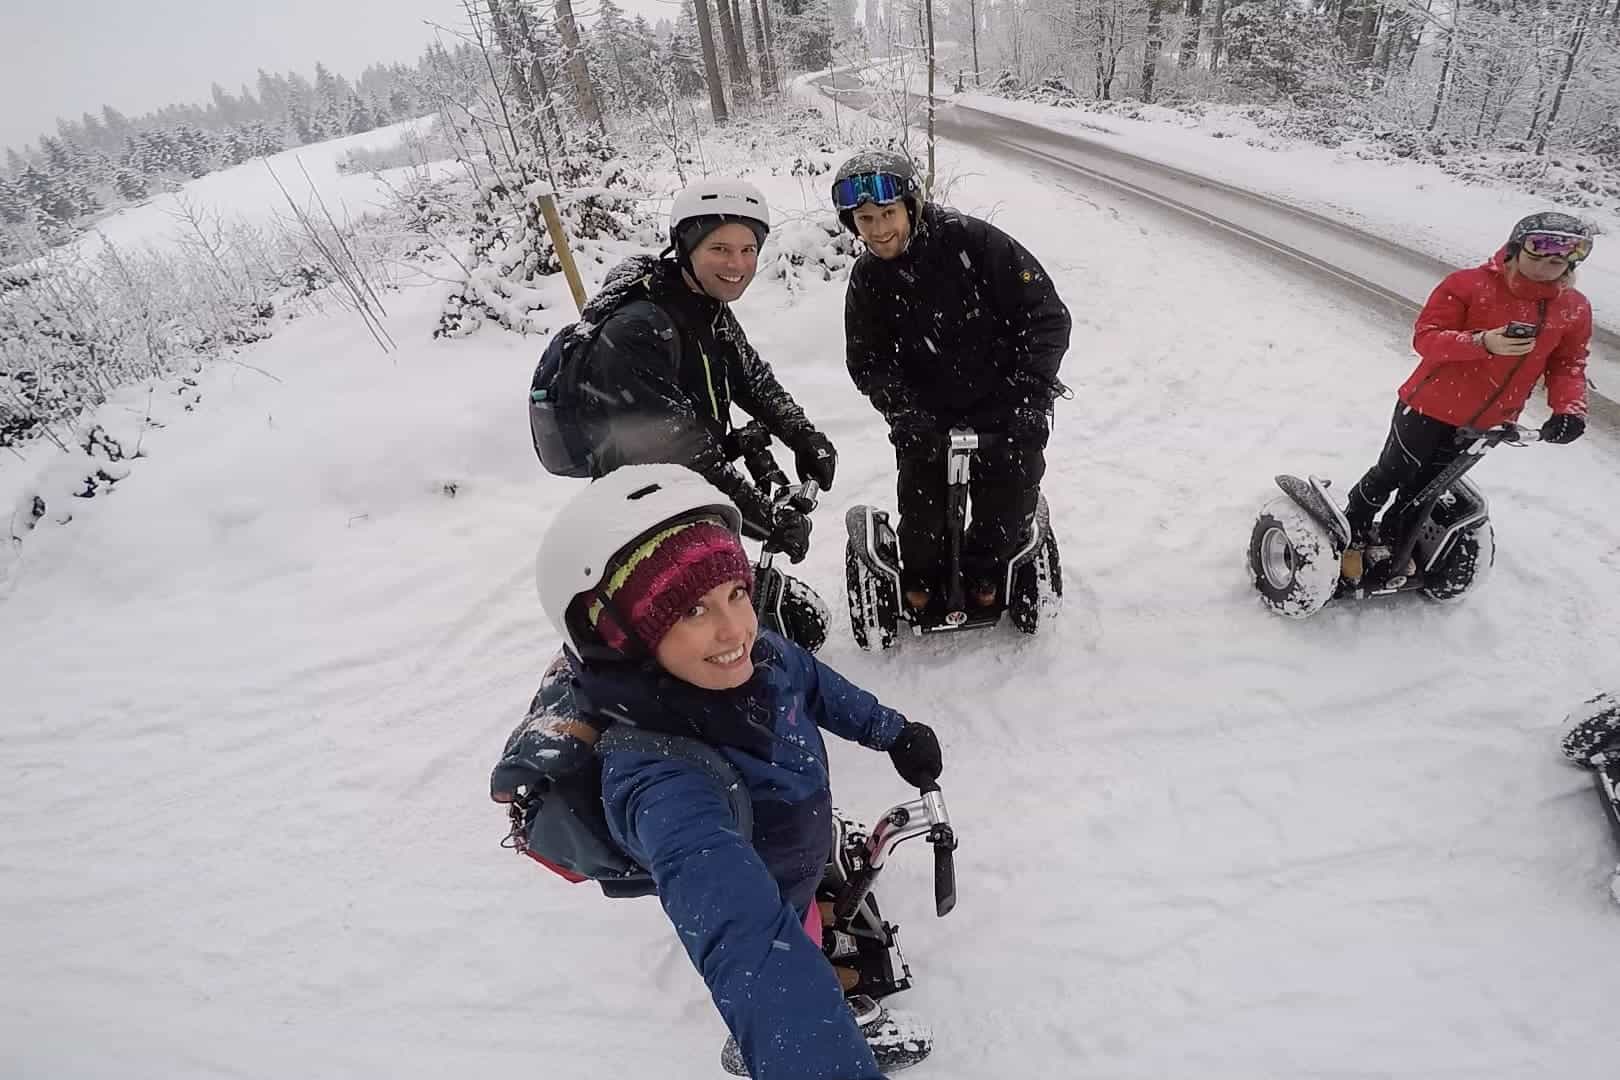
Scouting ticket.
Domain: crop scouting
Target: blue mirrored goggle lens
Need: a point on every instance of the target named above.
(880, 188)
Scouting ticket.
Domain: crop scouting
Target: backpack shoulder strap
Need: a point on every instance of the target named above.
(626, 737)
(663, 325)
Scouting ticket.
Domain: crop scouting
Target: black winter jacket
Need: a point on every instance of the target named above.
(647, 400)
(965, 325)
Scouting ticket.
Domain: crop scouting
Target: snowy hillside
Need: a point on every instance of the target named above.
(253, 696)
(249, 193)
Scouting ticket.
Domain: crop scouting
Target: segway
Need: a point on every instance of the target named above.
(1592, 739)
(1442, 549)
(860, 943)
(783, 603)
(1030, 593)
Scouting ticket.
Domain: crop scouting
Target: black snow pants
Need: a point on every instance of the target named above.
(1004, 487)
(1417, 449)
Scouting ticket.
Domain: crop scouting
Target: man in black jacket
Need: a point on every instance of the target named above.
(950, 322)
(669, 360)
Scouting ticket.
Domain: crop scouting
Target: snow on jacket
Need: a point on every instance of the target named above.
(1458, 382)
(964, 325)
(642, 406)
(738, 903)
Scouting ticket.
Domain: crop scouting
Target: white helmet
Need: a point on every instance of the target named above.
(719, 198)
(609, 516)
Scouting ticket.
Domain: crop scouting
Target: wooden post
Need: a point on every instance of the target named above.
(559, 240)
(928, 185)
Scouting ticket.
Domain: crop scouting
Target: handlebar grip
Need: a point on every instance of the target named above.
(944, 880)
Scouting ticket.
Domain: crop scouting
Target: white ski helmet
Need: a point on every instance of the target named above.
(707, 204)
(610, 516)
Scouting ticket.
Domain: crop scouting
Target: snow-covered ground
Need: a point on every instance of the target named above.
(253, 695)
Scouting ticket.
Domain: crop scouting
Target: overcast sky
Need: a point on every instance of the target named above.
(67, 57)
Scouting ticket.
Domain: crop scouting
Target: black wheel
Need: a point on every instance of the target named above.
(873, 606)
(805, 617)
(1037, 588)
(1464, 566)
(1592, 728)
(1293, 560)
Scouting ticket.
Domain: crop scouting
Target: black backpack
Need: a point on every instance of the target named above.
(558, 821)
(555, 418)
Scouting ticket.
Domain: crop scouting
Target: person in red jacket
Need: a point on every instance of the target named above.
(1476, 373)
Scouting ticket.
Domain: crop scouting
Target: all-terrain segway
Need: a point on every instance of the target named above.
(1030, 592)
(783, 603)
(1592, 739)
(1443, 547)
(861, 944)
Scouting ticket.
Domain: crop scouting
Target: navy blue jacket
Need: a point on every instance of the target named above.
(737, 903)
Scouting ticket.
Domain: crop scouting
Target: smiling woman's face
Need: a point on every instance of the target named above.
(710, 645)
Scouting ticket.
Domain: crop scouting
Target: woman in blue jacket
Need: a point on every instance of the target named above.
(644, 574)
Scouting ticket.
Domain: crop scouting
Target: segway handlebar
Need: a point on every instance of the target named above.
(1511, 434)
(802, 497)
(925, 816)
(968, 439)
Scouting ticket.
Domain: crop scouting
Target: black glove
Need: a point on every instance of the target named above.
(916, 755)
(916, 435)
(815, 459)
(1563, 428)
(1027, 423)
(790, 535)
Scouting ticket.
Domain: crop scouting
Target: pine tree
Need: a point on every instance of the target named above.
(52, 195)
(224, 106)
(711, 61)
(14, 203)
(301, 122)
(95, 135)
(130, 184)
(273, 96)
(578, 69)
(195, 151)
(1274, 45)
(360, 116)
(682, 55)
(329, 120)
(248, 108)
(807, 33)
(60, 156)
(264, 139)
(118, 126)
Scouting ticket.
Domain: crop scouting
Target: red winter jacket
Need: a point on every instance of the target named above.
(1458, 382)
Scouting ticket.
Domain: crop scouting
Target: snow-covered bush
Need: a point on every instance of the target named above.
(810, 247)
(82, 326)
(508, 249)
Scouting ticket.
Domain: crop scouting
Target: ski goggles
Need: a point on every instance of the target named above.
(1547, 244)
(880, 188)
